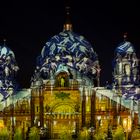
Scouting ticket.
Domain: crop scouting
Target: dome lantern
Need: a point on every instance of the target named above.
(67, 25)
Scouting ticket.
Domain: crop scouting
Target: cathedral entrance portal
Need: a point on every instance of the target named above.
(64, 121)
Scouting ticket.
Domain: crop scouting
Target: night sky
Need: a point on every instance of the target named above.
(28, 26)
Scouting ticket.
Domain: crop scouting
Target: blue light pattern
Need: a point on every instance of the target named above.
(8, 70)
(125, 47)
(69, 49)
(126, 71)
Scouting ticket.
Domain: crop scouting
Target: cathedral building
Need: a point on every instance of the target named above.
(65, 92)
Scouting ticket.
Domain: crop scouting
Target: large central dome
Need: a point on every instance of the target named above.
(71, 50)
(68, 43)
(68, 53)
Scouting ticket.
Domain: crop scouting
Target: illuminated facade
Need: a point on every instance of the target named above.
(65, 93)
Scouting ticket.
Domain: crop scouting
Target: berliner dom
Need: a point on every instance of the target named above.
(65, 99)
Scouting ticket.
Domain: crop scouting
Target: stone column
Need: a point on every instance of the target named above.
(32, 107)
(77, 123)
(83, 108)
(41, 107)
(115, 112)
(93, 108)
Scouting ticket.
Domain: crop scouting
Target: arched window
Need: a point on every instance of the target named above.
(62, 79)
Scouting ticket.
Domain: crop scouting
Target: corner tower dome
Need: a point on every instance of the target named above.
(8, 70)
(125, 47)
(6, 51)
(126, 67)
(71, 51)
